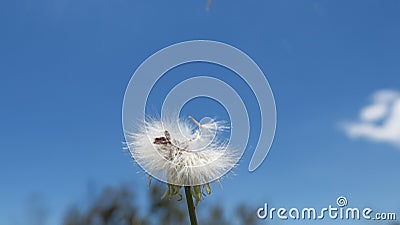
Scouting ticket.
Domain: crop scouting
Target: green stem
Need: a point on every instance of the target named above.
(192, 212)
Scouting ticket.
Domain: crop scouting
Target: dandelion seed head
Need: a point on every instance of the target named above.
(181, 152)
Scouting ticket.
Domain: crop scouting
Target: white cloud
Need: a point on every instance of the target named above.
(379, 121)
(374, 112)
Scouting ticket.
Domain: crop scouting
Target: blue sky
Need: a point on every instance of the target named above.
(65, 64)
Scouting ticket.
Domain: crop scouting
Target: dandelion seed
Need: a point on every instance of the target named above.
(184, 154)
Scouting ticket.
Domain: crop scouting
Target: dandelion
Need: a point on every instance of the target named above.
(185, 153)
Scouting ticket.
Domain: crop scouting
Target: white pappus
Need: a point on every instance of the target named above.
(184, 152)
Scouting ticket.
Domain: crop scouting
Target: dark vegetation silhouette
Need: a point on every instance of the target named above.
(119, 206)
